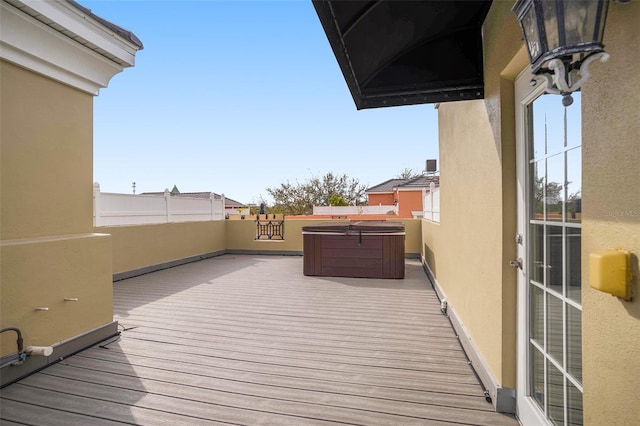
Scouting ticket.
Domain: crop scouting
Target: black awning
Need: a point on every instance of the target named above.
(407, 52)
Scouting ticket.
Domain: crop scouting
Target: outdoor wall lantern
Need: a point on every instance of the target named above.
(563, 37)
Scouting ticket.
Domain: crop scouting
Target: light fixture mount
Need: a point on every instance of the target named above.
(563, 37)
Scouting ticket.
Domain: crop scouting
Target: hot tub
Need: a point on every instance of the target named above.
(363, 249)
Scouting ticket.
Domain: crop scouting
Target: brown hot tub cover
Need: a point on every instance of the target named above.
(366, 227)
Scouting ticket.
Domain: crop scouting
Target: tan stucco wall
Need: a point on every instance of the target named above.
(41, 273)
(468, 254)
(48, 251)
(470, 249)
(478, 207)
(241, 236)
(140, 246)
(47, 156)
(478, 210)
(611, 218)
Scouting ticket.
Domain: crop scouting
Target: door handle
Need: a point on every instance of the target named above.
(516, 263)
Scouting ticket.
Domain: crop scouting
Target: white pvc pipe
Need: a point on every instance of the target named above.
(39, 350)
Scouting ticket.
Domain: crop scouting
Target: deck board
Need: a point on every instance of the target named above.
(251, 340)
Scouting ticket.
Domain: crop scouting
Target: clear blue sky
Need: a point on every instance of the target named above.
(234, 97)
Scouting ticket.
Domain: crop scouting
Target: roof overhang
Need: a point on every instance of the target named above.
(65, 42)
(407, 52)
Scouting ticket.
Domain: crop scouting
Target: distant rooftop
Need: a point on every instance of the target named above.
(422, 181)
(386, 186)
(416, 182)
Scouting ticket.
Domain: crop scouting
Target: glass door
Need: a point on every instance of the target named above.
(549, 283)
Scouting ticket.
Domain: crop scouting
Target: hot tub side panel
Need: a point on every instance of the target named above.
(352, 256)
(393, 256)
(312, 252)
(362, 256)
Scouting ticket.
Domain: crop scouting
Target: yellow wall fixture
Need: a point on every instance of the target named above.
(610, 272)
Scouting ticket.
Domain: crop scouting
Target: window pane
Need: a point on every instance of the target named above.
(574, 342)
(549, 125)
(537, 315)
(574, 185)
(574, 400)
(536, 189)
(574, 264)
(574, 121)
(538, 129)
(553, 260)
(555, 328)
(537, 375)
(536, 255)
(554, 188)
(556, 394)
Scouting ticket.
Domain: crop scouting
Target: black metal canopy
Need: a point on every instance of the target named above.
(407, 52)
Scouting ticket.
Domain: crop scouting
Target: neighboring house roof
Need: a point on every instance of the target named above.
(386, 186)
(228, 202)
(422, 181)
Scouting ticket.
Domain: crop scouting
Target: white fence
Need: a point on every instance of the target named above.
(432, 204)
(128, 209)
(242, 212)
(347, 210)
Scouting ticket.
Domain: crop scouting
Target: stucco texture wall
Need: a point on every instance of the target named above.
(47, 156)
(468, 254)
(140, 246)
(47, 250)
(469, 250)
(41, 274)
(241, 236)
(611, 218)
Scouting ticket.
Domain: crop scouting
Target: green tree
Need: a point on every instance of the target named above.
(299, 198)
(407, 173)
(337, 200)
(549, 194)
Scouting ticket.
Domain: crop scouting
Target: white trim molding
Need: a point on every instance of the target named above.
(73, 48)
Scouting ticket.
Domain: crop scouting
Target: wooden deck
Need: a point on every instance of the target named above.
(250, 340)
